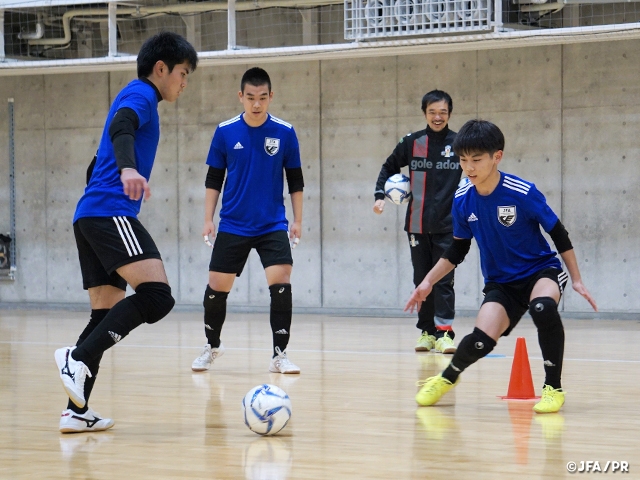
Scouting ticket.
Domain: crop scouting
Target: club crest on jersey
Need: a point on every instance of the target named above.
(447, 152)
(271, 145)
(507, 215)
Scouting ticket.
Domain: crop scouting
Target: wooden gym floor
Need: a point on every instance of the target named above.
(354, 414)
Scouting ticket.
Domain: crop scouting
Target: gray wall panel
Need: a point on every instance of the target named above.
(159, 214)
(359, 88)
(601, 191)
(306, 277)
(68, 153)
(453, 73)
(31, 279)
(519, 79)
(212, 96)
(601, 74)
(557, 105)
(193, 143)
(75, 101)
(355, 260)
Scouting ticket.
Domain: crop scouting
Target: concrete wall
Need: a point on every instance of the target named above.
(569, 113)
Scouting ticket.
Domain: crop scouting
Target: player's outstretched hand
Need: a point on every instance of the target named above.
(134, 185)
(378, 207)
(208, 232)
(295, 232)
(418, 296)
(582, 290)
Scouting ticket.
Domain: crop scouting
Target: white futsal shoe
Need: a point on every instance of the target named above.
(281, 364)
(90, 421)
(206, 358)
(73, 374)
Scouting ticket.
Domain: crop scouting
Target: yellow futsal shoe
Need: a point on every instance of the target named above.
(445, 344)
(426, 342)
(432, 389)
(551, 401)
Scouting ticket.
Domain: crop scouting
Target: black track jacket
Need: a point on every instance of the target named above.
(434, 171)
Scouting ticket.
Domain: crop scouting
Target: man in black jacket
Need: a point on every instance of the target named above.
(434, 170)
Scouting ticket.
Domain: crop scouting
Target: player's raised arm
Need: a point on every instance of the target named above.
(451, 258)
(122, 131)
(560, 238)
(213, 185)
(295, 182)
(423, 290)
(570, 261)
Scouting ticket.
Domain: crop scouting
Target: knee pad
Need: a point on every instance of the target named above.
(214, 301)
(472, 348)
(281, 299)
(154, 301)
(544, 312)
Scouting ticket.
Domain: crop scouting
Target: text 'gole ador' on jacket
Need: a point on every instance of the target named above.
(434, 171)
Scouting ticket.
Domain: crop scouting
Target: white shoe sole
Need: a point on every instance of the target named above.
(200, 369)
(422, 349)
(95, 429)
(272, 370)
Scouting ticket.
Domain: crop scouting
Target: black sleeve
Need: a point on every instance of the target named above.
(215, 178)
(91, 167)
(560, 237)
(294, 179)
(122, 131)
(458, 250)
(392, 165)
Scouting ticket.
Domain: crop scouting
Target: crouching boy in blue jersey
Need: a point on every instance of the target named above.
(504, 214)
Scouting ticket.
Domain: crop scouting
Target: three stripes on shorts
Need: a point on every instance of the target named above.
(128, 236)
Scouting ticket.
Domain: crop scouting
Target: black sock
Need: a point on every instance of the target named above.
(280, 315)
(471, 349)
(552, 346)
(121, 319)
(544, 312)
(96, 317)
(215, 312)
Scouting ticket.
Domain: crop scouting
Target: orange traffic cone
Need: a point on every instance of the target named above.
(521, 382)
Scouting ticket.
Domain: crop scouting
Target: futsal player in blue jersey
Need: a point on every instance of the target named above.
(504, 214)
(113, 246)
(253, 149)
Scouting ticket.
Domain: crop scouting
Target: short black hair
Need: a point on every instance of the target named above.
(436, 96)
(255, 76)
(169, 47)
(478, 137)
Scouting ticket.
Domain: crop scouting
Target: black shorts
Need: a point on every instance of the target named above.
(106, 244)
(515, 296)
(230, 252)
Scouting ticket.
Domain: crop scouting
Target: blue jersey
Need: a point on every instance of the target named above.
(104, 195)
(255, 159)
(506, 225)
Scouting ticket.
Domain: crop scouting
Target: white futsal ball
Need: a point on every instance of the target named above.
(398, 189)
(267, 409)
